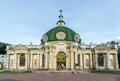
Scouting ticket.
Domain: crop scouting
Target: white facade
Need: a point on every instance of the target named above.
(61, 49)
(69, 55)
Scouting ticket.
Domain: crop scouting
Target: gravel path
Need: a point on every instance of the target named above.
(59, 77)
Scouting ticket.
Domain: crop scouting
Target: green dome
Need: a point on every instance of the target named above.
(61, 33)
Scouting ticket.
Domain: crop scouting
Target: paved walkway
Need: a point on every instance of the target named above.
(55, 76)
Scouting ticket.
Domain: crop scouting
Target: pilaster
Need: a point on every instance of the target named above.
(72, 61)
(116, 61)
(81, 61)
(50, 62)
(76, 58)
(46, 60)
(26, 61)
(84, 60)
(91, 60)
(14, 65)
(7, 65)
(96, 61)
(108, 61)
(31, 61)
(37, 61)
(40, 60)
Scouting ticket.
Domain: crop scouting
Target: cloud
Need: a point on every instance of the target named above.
(117, 38)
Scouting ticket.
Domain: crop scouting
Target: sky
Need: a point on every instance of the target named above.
(25, 21)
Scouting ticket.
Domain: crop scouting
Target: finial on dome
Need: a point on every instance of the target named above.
(60, 22)
(60, 12)
(60, 15)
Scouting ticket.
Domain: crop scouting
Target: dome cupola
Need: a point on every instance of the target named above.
(61, 33)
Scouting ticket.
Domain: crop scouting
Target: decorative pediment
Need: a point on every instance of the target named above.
(102, 47)
(21, 47)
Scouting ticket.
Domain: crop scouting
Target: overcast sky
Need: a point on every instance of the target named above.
(25, 21)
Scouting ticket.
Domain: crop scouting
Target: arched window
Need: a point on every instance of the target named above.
(100, 60)
(22, 60)
(43, 60)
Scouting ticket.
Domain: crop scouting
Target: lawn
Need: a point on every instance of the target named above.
(14, 72)
(106, 72)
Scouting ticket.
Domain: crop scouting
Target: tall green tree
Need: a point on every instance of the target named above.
(3, 48)
(118, 43)
(119, 56)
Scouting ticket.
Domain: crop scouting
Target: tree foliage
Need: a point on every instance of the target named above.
(112, 44)
(118, 43)
(3, 48)
(119, 56)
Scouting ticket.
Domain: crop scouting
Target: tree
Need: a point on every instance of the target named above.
(118, 43)
(3, 48)
(112, 44)
(119, 57)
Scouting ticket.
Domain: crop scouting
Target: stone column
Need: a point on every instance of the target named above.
(96, 61)
(7, 62)
(76, 58)
(55, 62)
(108, 61)
(50, 62)
(31, 61)
(26, 61)
(116, 61)
(46, 60)
(72, 61)
(40, 60)
(91, 60)
(14, 65)
(81, 61)
(16, 61)
(37, 61)
(84, 60)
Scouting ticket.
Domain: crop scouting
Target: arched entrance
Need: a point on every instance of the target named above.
(61, 61)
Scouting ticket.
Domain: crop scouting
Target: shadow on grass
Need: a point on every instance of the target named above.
(9, 80)
(106, 72)
(15, 72)
(118, 78)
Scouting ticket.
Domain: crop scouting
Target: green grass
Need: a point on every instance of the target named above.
(14, 72)
(105, 72)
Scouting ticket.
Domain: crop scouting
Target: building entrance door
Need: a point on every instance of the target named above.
(61, 61)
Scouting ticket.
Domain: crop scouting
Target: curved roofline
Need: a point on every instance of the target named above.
(62, 26)
(68, 33)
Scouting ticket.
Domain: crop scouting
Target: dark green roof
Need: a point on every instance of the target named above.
(70, 34)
